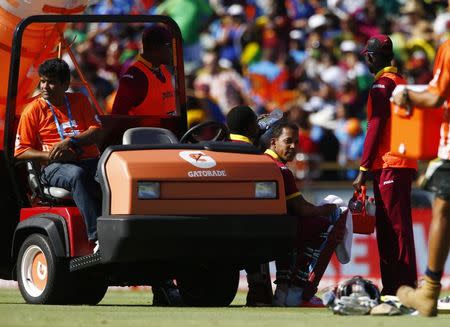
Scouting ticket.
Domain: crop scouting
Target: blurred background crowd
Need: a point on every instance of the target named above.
(301, 56)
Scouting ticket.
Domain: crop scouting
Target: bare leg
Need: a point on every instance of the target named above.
(439, 237)
(424, 299)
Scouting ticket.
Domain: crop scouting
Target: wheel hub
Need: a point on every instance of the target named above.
(34, 271)
(39, 271)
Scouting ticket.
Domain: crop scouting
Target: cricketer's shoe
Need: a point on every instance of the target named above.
(259, 296)
(314, 302)
(166, 294)
(279, 297)
(294, 297)
(259, 288)
(423, 299)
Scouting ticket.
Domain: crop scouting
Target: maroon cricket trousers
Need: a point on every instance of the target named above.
(315, 242)
(392, 190)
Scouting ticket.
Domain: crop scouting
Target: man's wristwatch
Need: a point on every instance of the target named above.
(73, 141)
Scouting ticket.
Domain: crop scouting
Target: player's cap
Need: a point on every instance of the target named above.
(157, 34)
(379, 44)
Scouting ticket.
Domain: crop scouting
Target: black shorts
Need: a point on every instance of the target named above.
(437, 178)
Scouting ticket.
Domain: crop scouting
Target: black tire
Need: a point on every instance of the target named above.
(90, 288)
(209, 286)
(42, 277)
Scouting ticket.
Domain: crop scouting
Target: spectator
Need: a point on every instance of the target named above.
(351, 142)
(229, 35)
(192, 16)
(222, 84)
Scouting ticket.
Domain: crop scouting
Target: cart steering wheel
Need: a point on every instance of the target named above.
(194, 134)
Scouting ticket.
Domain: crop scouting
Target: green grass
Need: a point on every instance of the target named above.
(133, 309)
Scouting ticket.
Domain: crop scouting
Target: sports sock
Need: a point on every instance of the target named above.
(434, 275)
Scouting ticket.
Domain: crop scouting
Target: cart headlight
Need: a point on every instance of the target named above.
(265, 190)
(148, 190)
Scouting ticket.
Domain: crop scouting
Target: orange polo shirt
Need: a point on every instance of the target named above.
(37, 129)
(440, 85)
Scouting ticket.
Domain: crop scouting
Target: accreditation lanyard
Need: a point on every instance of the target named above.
(69, 114)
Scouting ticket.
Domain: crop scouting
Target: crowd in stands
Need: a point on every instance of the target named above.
(302, 56)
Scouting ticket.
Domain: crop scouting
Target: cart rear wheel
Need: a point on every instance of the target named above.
(91, 288)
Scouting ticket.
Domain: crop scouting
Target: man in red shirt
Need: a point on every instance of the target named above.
(424, 299)
(392, 175)
(61, 131)
(147, 86)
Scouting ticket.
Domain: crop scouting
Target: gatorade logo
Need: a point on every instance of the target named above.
(41, 271)
(198, 159)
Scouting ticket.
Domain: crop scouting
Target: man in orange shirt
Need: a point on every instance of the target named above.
(147, 87)
(424, 299)
(61, 131)
(392, 175)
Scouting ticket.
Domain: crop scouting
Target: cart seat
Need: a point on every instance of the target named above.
(42, 191)
(148, 135)
(58, 192)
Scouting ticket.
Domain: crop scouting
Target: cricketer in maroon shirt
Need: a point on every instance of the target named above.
(290, 187)
(392, 179)
(311, 230)
(392, 174)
